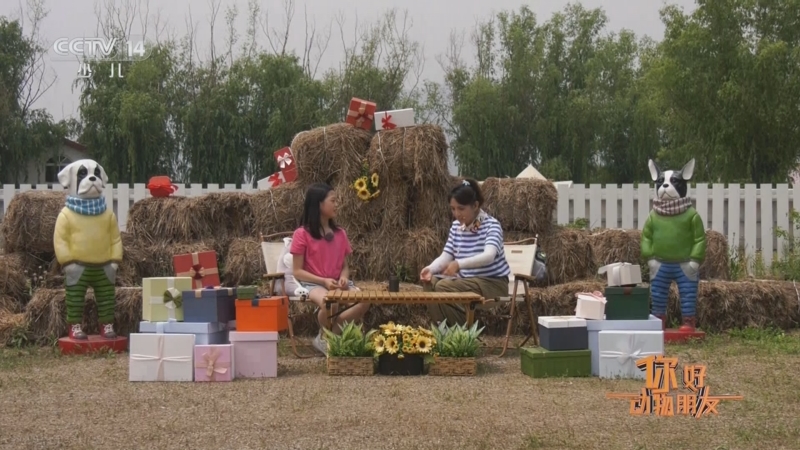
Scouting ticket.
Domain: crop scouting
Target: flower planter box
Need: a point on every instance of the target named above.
(354, 367)
(408, 365)
(454, 367)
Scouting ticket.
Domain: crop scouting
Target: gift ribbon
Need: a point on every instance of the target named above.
(361, 114)
(284, 161)
(387, 123)
(211, 365)
(171, 299)
(630, 352)
(160, 358)
(197, 272)
(596, 295)
(198, 293)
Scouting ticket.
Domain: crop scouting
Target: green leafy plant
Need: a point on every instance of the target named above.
(351, 343)
(401, 272)
(456, 341)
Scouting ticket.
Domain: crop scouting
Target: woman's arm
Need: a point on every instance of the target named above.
(439, 264)
(304, 275)
(480, 260)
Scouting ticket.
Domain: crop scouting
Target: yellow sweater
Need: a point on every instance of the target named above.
(91, 240)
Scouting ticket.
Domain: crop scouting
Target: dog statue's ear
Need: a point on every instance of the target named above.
(103, 175)
(65, 176)
(654, 170)
(688, 170)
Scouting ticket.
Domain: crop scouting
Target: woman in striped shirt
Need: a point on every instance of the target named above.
(473, 258)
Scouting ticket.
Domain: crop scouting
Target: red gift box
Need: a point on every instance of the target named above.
(201, 267)
(361, 113)
(285, 158)
(284, 176)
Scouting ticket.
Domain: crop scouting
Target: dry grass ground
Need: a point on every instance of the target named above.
(47, 401)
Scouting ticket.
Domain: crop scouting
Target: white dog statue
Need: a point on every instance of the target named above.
(88, 246)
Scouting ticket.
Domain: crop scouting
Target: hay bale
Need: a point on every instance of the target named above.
(521, 204)
(415, 155)
(230, 214)
(167, 220)
(429, 207)
(13, 328)
(375, 255)
(277, 210)
(14, 282)
(560, 300)
(388, 211)
(158, 262)
(612, 246)
(717, 265)
(420, 247)
(725, 305)
(30, 221)
(10, 304)
(244, 263)
(569, 255)
(330, 154)
(46, 313)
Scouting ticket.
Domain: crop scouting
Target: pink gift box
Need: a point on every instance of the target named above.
(256, 353)
(213, 362)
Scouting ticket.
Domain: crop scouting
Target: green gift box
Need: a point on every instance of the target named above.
(627, 303)
(246, 292)
(538, 362)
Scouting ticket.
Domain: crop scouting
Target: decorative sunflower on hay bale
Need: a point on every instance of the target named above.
(366, 186)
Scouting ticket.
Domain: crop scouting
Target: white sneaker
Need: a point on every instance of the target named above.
(320, 345)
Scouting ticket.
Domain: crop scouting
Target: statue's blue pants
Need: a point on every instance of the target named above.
(659, 289)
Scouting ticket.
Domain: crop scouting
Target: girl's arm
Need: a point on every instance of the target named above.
(304, 275)
(345, 270)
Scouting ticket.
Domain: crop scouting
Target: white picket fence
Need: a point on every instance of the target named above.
(747, 215)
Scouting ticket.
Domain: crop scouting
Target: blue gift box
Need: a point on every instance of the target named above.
(209, 305)
(208, 333)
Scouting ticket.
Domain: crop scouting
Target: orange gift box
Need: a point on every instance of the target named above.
(262, 314)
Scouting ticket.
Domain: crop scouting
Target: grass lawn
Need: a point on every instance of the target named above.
(48, 401)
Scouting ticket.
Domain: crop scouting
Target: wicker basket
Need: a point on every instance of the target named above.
(454, 367)
(359, 367)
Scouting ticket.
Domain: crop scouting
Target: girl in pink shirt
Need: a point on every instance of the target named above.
(319, 252)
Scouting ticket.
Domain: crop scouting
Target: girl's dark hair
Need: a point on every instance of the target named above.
(312, 218)
(467, 192)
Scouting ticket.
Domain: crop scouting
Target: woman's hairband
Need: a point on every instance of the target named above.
(466, 183)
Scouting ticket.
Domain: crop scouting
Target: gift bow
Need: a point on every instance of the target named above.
(284, 160)
(211, 365)
(387, 123)
(173, 298)
(276, 178)
(160, 358)
(596, 295)
(631, 352)
(361, 114)
(197, 271)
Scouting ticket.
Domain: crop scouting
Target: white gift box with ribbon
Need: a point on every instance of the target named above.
(619, 351)
(161, 357)
(622, 274)
(398, 118)
(591, 305)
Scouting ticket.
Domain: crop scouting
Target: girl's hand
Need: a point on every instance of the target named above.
(425, 275)
(344, 283)
(452, 269)
(331, 284)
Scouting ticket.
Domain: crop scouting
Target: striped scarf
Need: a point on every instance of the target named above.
(671, 207)
(87, 206)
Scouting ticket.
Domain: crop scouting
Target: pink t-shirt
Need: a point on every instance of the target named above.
(320, 257)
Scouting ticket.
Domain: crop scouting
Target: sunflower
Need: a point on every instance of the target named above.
(423, 345)
(391, 345)
(375, 178)
(363, 194)
(375, 194)
(389, 328)
(379, 344)
(360, 184)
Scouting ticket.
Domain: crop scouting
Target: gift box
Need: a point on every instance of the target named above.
(619, 351)
(596, 326)
(201, 267)
(539, 362)
(361, 113)
(622, 274)
(161, 357)
(559, 333)
(591, 305)
(206, 333)
(262, 314)
(255, 353)
(627, 303)
(398, 118)
(246, 292)
(162, 298)
(213, 363)
(284, 158)
(209, 305)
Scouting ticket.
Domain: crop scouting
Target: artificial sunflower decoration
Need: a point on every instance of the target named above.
(366, 186)
(375, 178)
(402, 340)
(379, 343)
(391, 345)
(364, 195)
(360, 184)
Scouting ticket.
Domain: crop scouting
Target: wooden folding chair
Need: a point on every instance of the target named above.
(272, 248)
(521, 256)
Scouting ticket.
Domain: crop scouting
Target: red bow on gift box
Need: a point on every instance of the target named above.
(387, 123)
(197, 272)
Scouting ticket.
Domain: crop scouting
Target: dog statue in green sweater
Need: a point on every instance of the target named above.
(674, 244)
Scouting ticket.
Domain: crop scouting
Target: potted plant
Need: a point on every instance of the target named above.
(400, 274)
(455, 350)
(351, 352)
(401, 350)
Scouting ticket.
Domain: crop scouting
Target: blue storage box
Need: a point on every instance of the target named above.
(209, 305)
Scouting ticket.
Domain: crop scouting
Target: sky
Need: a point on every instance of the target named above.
(432, 22)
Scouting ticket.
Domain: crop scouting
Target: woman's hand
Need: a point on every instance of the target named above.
(331, 284)
(452, 269)
(344, 283)
(425, 275)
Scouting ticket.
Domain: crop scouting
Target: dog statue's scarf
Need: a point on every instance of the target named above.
(672, 207)
(87, 207)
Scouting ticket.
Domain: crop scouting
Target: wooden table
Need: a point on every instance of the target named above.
(350, 298)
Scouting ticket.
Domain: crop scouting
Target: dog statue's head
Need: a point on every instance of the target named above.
(84, 178)
(671, 184)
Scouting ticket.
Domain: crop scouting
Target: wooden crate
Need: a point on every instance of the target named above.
(454, 367)
(359, 367)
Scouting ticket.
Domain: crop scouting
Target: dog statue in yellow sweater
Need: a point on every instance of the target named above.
(88, 246)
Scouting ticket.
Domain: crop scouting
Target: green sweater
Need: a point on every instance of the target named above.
(678, 238)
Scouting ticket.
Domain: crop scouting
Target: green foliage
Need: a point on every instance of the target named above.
(456, 341)
(788, 266)
(351, 343)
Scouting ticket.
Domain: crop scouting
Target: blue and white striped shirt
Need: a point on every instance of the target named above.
(467, 243)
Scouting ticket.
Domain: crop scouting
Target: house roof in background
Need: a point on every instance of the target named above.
(75, 145)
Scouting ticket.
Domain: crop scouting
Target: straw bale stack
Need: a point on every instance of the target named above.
(612, 246)
(13, 328)
(14, 278)
(521, 204)
(388, 211)
(717, 265)
(277, 210)
(569, 255)
(331, 154)
(244, 263)
(30, 221)
(156, 259)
